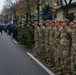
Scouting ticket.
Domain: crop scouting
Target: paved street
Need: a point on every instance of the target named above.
(14, 59)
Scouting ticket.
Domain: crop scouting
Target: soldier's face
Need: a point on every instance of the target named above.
(35, 26)
(61, 23)
(41, 24)
(47, 24)
(64, 24)
(52, 24)
(57, 24)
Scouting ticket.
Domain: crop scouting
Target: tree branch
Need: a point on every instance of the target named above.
(70, 2)
(65, 2)
(9, 1)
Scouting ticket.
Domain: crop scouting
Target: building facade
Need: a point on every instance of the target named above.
(61, 12)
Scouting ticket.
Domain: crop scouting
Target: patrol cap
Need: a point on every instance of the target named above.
(74, 21)
(52, 21)
(57, 20)
(41, 21)
(61, 20)
(36, 23)
(47, 21)
(65, 20)
(71, 23)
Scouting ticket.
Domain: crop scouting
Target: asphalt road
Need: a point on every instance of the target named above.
(14, 59)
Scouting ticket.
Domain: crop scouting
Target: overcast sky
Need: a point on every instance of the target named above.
(1, 4)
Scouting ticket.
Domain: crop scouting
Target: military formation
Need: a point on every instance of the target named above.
(55, 44)
(24, 34)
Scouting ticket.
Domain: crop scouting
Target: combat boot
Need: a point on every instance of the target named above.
(36, 54)
(58, 73)
(54, 69)
(30, 50)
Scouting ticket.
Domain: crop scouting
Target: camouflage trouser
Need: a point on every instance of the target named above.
(36, 49)
(42, 51)
(73, 61)
(65, 60)
(73, 65)
(36, 46)
(46, 50)
(56, 54)
(57, 57)
(50, 54)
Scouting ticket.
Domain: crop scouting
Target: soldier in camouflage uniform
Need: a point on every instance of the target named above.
(37, 38)
(65, 49)
(42, 44)
(51, 45)
(56, 44)
(47, 37)
(73, 50)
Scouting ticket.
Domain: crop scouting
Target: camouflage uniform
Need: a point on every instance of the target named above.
(56, 46)
(37, 40)
(47, 37)
(73, 53)
(42, 40)
(51, 45)
(65, 51)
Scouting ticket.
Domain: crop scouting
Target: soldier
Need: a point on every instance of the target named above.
(47, 37)
(51, 45)
(65, 49)
(30, 37)
(42, 44)
(56, 44)
(73, 50)
(52, 23)
(36, 39)
(71, 24)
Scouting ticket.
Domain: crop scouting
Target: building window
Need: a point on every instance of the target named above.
(71, 17)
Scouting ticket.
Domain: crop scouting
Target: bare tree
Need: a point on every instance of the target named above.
(13, 8)
(26, 6)
(38, 4)
(67, 7)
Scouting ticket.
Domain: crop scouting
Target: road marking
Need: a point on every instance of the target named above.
(44, 67)
(15, 41)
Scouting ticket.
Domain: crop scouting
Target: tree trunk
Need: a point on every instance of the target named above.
(67, 7)
(67, 10)
(38, 14)
(30, 14)
(27, 17)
